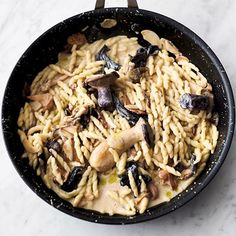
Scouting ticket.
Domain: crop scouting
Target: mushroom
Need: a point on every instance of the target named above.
(133, 108)
(53, 144)
(27, 145)
(69, 131)
(73, 179)
(153, 190)
(44, 100)
(76, 114)
(137, 73)
(132, 169)
(208, 92)
(194, 102)
(103, 120)
(77, 39)
(125, 100)
(169, 46)
(68, 149)
(108, 23)
(35, 105)
(151, 37)
(103, 83)
(142, 54)
(189, 172)
(167, 179)
(130, 116)
(102, 160)
(51, 82)
(65, 132)
(109, 63)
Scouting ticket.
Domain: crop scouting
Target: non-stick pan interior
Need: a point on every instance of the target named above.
(44, 51)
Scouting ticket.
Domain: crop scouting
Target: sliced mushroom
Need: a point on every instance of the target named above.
(103, 83)
(133, 108)
(53, 144)
(151, 37)
(69, 131)
(131, 167)
(169, 46)
(35, 105)
(84, 120)
(167, 179)
(142, 54)
(76, 115)
(137, 73)
(73, 179)
(153, 190)
(101, 118)
(130, 116)
(77, 39)
(125, 100)
(46, 100)
(102, 56)
(140, 58)
(68, 149)
(51, 82)
(102, 160)
(65, 132)
(27, 145)
(108, 23)
(189, 172)
(180, 167)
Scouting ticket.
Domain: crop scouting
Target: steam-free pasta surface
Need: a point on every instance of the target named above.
(61, 124)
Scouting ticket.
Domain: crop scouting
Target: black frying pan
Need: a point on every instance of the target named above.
(44, 51)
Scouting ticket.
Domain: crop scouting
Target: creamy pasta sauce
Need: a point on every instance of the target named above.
(106, 204)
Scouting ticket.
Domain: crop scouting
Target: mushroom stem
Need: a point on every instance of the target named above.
(127, 138)
(104, 97)
(102, 160)
(103, 83)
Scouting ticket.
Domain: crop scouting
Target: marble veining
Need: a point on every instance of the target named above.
(212, 212)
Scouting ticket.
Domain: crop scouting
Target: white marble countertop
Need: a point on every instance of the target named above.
(213, 212)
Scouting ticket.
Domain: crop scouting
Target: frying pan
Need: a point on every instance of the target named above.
(44, 51)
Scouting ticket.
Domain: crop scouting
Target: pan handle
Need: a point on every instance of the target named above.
(101, 3)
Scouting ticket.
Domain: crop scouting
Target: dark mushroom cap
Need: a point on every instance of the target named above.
(73, 179)
(109, 63)
(148, 134)
(101, 80)
(102, 83)
(193, 101)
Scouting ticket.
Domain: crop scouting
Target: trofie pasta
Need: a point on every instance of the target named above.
(118, 127)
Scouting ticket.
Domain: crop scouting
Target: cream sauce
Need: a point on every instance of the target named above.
(105, 204)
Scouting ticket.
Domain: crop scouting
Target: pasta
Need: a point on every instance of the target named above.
(64, 125)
